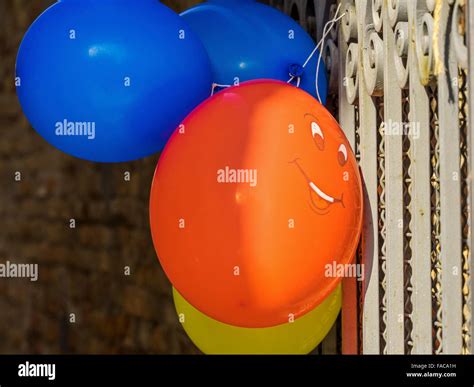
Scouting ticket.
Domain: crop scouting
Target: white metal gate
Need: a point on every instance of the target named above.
(401, 91)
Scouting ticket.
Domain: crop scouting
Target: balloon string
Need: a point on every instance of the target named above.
(326, 30)
(215, 86)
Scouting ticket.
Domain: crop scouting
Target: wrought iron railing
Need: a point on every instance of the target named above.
(400, 85)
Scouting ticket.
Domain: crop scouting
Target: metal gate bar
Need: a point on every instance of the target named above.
(470, 43)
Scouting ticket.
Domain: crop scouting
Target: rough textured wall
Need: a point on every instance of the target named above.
(81, 268)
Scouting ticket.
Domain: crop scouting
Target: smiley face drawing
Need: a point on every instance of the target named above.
(254, 197)
(319, 200)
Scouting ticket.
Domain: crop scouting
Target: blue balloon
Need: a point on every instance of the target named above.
(247, 40)
(110, 80)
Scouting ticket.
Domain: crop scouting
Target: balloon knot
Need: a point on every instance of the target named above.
(296, 70)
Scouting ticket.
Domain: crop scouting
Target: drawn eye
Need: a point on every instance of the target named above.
(342, 155)
(318, 136)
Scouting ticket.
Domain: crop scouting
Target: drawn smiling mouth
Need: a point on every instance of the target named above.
(320, 201)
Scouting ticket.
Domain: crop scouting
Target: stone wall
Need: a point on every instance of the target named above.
(82, 269)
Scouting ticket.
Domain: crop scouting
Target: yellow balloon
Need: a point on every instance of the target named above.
(298, 337)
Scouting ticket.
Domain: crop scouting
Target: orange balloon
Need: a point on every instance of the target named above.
(254, 195)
